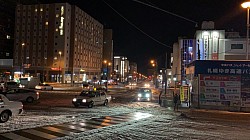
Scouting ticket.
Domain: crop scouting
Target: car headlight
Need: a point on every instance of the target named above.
(139, 95)
(84, 100)
(74, 100)
(21, 86)
(147, 95)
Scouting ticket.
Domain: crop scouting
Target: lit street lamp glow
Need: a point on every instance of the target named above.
(22, 56)
(107, 67)
(59, 71)
(247, 6)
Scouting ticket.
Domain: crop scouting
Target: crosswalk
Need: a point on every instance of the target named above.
(61, 130)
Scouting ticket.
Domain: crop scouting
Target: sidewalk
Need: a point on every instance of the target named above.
(207, 114)
(217, 115)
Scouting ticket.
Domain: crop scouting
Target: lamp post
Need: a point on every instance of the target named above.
(154, 64)
(107, 67)
(22, 56)
(247, 6)
(59, 70)
(175, 79)
(45, 59)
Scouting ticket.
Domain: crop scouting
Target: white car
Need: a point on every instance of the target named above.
(146, 85)
(44, 87)
(132, 83)
(9, 108)
(91, 98)
(21, 94)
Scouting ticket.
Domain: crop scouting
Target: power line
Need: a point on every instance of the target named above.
(136, 26)
(196, 23)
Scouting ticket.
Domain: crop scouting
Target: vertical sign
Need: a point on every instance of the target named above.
(182, 93)
(215, 46)
(206, 47)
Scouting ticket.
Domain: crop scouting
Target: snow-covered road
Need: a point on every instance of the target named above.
(163, 124)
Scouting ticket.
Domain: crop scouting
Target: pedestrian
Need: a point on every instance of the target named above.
(160, 97)
(176, 99)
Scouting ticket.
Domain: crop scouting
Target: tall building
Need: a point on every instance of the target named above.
(133, 74)
(58, 42)
(7, 29)
(121, 68)
(133, 67)
(108, 51)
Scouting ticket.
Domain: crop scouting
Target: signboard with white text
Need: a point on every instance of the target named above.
(220, 90)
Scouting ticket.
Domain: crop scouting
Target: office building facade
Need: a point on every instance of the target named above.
(58, 42)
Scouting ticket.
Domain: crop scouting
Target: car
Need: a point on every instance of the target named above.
(11, 84)
(2, 87)
(43, 86)
(9, 108)
(104, 88)
(21, 94)
(144, 94)
(91, 98)
(132, 83)
(146, 85)
(87, 87)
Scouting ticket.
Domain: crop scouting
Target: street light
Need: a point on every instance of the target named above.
(45, 59)
(22, 56)
(175, 79)
(247, 6)
(107, 65)
(60, 53)
(154, 64)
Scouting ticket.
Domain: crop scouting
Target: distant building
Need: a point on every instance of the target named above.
(58, 42)
(132, 67)
(108, 51)
(133, 73)
(121, 68)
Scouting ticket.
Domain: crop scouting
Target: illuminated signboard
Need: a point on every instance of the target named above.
(222, 67)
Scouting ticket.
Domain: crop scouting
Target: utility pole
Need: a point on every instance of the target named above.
(166, 67)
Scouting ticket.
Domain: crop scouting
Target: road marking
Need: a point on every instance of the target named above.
(40, 134)
(13, 136)
(49, 132)
(58, 130)
(65, 129)
(74, 127)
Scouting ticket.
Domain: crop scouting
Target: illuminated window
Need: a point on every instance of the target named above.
(41, 9)
(46, 23)
(35, 10)
(57, 15)
(56, 30)
(8, 37)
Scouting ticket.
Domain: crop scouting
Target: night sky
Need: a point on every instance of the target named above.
(162, 26)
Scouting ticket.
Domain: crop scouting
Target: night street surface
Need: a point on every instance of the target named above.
(140, 120)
